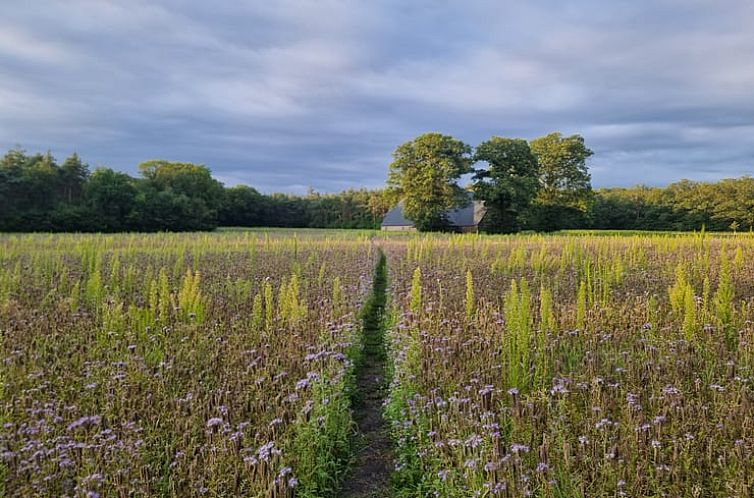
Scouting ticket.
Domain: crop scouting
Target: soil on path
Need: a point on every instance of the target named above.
(370, 472)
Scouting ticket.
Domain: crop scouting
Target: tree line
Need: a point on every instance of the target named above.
(539, 185)
(38, 194)
(727, 205)
(544, 185)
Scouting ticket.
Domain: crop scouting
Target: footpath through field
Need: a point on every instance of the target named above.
(370, 472)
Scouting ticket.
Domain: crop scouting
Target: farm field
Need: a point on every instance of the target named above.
(573, 366)
(229, 364)
(178, 365)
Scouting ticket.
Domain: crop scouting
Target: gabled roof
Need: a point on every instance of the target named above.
(463, 217)
(395, 218)
(467, 216)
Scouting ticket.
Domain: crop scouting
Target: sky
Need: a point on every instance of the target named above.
(286, 95)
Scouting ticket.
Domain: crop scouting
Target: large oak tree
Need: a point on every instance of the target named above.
(508, 184)
(424, 174)
(565, 190)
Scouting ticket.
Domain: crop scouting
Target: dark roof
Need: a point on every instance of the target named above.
(395, 218)
(460, 217)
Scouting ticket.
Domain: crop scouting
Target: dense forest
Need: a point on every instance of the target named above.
(727, 205)
(37, 193)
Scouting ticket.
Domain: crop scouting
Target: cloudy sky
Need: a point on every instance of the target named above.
(288, 94)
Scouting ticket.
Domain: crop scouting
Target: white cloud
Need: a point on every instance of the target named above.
(24, 46)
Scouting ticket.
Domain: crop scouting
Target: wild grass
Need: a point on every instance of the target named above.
(178, 365)
(630, 372)
(222, 364)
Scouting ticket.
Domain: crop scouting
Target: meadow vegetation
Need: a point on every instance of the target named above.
(570, 366)
(178, 365)
(226, 364)
(541, 185)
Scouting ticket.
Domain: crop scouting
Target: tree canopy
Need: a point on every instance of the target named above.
(179, 196)
(685, 205)
(425, 173)
(112, 196)
(508, 184)
(39, 194)
(565, 189)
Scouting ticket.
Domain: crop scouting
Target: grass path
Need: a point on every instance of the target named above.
(370, 472)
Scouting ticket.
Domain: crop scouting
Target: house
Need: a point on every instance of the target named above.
(464, 219)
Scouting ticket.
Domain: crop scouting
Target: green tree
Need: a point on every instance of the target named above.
(179, 196)
(32, 185)
(424, 174)
(378, 204)
(112, 196)
(565, 191)
(191, 180)
(40, 181)
(73, 176)
(242, 206)
(509, 184)
(11, 167)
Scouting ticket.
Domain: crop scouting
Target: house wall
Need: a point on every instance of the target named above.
(479, 211)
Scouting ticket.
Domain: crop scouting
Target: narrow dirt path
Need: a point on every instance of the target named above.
(370, 472)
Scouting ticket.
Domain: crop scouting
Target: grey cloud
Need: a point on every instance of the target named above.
(291, 94)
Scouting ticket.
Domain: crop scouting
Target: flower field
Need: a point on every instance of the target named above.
(573, 366)
(177, 365)
(224, 364)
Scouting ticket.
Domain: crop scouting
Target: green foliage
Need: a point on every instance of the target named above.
(165, 299)
(723, 300)
(508, 185)
(705, 304)
(564, 176)
(94, 291)
(546, 316)
(565, 191)
(684, 205)
(177, 196)
(518, 325)
(581, 298)
(291, 307)
(257, 314)
(190, 300)
(587, 412)
(546, 326)
(683, 303)
(689, 314)
(112, 196)
(269, 306)
(192, 180)
(75, 297)
(322, 440)
(38, 194)
(149, 348)
(416, 291)
(424, 174)
(337, 297)
(348, 209)
(242, 206)
(677, 293)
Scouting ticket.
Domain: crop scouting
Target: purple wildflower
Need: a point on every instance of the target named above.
(213, 422)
